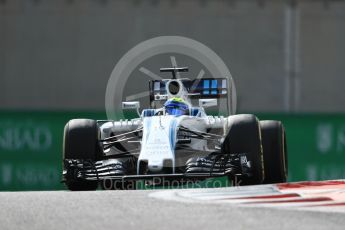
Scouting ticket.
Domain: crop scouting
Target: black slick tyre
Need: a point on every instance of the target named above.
(244, 137)
(80, 141)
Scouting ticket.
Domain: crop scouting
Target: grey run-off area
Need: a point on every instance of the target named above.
(136, 210)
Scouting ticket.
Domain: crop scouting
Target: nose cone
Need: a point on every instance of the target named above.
(155, 166)
(158, 143)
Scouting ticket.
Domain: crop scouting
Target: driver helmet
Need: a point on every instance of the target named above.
(176, 106)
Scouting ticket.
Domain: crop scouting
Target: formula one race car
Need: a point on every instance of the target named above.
(174, 140)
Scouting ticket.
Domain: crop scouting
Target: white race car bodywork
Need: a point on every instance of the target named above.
(160, 136)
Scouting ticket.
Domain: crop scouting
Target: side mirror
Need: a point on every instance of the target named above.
(206, 103)
(131, 105)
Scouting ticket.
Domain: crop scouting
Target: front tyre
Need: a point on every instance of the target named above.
(80, 141)
(244, 137)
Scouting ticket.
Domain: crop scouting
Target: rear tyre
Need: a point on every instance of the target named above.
(81, 142)
(275, 151)
(244, 137)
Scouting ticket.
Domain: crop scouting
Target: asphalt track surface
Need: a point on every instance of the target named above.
(142, 210)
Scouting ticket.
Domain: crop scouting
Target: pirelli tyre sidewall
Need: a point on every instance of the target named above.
(244, 136)
(80, 141)
(275, 151)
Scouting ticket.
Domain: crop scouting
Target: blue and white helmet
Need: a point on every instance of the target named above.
(176, 106)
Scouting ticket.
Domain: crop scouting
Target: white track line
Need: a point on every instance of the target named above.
(325, 195)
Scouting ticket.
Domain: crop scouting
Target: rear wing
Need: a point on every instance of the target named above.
(196, 89)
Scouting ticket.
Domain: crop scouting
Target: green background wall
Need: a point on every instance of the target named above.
(31, 146)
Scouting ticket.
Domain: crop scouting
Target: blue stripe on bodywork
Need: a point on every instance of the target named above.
(172, 134)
